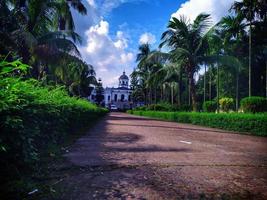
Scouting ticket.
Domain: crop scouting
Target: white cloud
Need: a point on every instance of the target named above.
(108, 56)
(147, 38)
(109, 5)
(92, 3)
(217, 8)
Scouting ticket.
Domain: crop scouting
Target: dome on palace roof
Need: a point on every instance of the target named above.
(124, 76)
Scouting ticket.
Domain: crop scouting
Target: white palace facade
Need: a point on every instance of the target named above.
(120, 96)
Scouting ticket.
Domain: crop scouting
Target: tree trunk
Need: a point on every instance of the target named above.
(237, 89)
(150, 95)
(249, 59)
(179, 88)
(189, 95)
(210, 73)
(155, 93)
(192, 91)
(145, 95)
(161, 93)
(266, 77)
(172, 96)
(218, 95)
(204, 93)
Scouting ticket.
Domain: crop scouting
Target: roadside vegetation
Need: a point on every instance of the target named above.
(198, 61)
(254, 124)
(205, 67)
(43, 88)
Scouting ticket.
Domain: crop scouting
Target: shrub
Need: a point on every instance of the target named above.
(140, 108)
(185, 108)
(209, 106)
(160, 107)
(254, 104)
(226, 104)
(255, 124)
(33, 118)
(163, 107)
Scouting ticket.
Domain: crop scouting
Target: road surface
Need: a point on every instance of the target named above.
(131, 157)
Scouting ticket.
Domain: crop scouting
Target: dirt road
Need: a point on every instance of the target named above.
(130, 157)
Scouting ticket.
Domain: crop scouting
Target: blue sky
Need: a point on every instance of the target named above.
(113, 29)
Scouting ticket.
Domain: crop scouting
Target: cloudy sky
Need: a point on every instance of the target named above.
(113, 29)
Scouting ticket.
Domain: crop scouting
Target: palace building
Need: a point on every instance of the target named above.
(120, 96)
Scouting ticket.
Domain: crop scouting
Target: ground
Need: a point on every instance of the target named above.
(130, 157)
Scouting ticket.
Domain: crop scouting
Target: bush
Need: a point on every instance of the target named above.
(255, 124)
(163, 107)
(32, 119)
(141, 108)
(254, 104)
(160, 107)
(209, 106)
(226, 104)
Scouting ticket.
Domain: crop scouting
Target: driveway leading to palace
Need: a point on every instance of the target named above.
(130, 157)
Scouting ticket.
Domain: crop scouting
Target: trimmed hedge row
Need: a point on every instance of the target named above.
(254, 104)
(164, 107)
(254, 124)
(33, 118)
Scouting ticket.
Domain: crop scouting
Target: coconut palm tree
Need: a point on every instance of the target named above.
(143, 69)
(37, 33)
(188, 44)
(251, 10)
(232, 32)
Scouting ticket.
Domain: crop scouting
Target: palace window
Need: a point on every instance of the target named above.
(122, 97)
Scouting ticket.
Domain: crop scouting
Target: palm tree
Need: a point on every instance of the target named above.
(38, 31)
(188, 44)
(233, 33)
(143, 69)
(250, 10)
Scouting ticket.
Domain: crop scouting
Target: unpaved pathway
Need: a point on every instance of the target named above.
(130, 157)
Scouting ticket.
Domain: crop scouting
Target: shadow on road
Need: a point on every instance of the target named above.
(105, 164)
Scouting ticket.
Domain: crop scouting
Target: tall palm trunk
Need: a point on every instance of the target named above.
(218, 95)
(172, 96)
(204, 94)
(192, 91)
(189, 95)
(237, 89)
(155, 93)
(179, 88)
(249, 59)
(210, 70)
(266, 77)
(152, 95)
(161, 93)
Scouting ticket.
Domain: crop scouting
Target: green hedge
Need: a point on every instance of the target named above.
(254, 104)
(209, 106)
(254, 124)
(164, 107)
(33, 118)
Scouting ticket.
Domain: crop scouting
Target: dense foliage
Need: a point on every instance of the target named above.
(209, 106)
(33, 118)
(254, 104)
(255, 124)
(42, 34)
(163, 107)
(205, 62)
(40, 69)
(226, 104)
